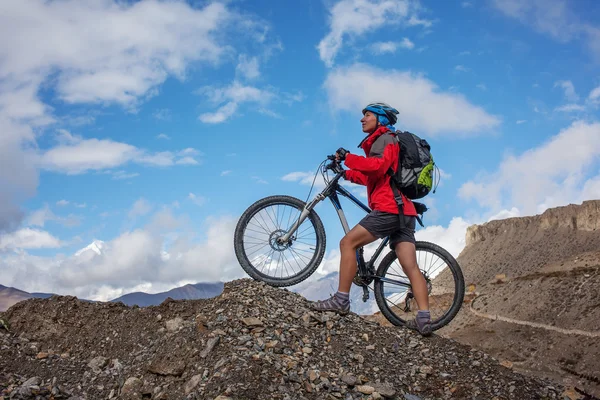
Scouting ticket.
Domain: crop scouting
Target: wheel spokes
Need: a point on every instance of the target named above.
(267, 254)
(400, 299)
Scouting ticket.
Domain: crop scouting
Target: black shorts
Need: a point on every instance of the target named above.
(382, 224)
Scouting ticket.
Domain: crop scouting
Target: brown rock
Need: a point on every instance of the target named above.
(201, 323)
(252, 321)
(192, 383)
(212, 342)
(167, 366)
(308, 387)
(365, 389)
(384, 389)
(131, 388)
(349, 380)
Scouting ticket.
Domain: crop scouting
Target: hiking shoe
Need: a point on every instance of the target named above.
(331, 304)
(421, 323)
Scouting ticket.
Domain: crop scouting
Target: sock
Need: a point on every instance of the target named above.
(342, 298)
(423, 316)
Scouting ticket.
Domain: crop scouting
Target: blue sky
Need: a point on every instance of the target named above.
(152, 125)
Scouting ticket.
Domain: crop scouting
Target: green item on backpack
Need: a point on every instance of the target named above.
(415, 173)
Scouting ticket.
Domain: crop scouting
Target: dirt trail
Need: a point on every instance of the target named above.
(496, 317)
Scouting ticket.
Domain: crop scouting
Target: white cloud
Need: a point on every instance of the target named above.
(94, 52)
(142, 258)
(221, 115)
(391, 47)
(305, 178)
(39, 218)
(87, 155)
(461, 68)
(226, 172)
(481, 86)
(139, 208)
(163, 114)
(230, 97)
(503, 214)
(569, 90)
(196, 199)
(121, 175)
(131, 48)
(521, 121)
(416, 21)
(16, 154)
(260, 180)
(354, 18)
(426, 110)
(187, 161)
(545, 178)
(27, 238)
(554, 18)
(466, 4)
(451, 238)
(75, 155)
(163, 136)
(62, 203)
(248, 67)
(570, 108)
(594, 96)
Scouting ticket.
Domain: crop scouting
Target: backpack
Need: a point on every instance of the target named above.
(415, 173)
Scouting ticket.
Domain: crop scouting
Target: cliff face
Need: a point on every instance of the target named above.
(584, 217)
(533, 293)
(526, 245)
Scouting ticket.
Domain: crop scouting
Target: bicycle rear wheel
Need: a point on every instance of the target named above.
(278, 264)
(445, 284)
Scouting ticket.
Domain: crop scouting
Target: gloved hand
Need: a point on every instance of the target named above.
(341, 153)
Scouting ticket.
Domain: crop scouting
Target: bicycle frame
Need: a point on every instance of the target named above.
(331, 191)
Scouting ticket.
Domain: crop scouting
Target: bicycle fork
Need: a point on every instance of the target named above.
(305, 211)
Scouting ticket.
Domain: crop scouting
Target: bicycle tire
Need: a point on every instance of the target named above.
(245, 262)
(459, 286)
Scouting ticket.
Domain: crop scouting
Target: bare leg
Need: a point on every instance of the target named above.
(339, 302)
(357, 237)
(407, 256)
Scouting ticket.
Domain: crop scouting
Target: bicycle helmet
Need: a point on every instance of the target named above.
(386, 114)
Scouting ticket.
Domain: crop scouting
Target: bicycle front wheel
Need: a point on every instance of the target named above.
(445, 285)
(263, 257)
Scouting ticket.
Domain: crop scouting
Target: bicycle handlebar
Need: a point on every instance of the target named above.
(334, 165)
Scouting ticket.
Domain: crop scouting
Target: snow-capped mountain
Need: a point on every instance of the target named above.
(96, 247)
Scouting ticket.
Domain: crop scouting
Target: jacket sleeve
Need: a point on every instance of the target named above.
(383, 154)
(356, 177)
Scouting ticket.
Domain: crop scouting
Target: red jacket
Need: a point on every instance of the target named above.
(382, 154)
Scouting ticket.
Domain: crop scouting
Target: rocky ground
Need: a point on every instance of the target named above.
(251, 342)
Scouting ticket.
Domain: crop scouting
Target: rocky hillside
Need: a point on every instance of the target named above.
(250, 342)
(534, 298)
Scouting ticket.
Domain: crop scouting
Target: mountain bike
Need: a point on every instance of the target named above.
(280, 240)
